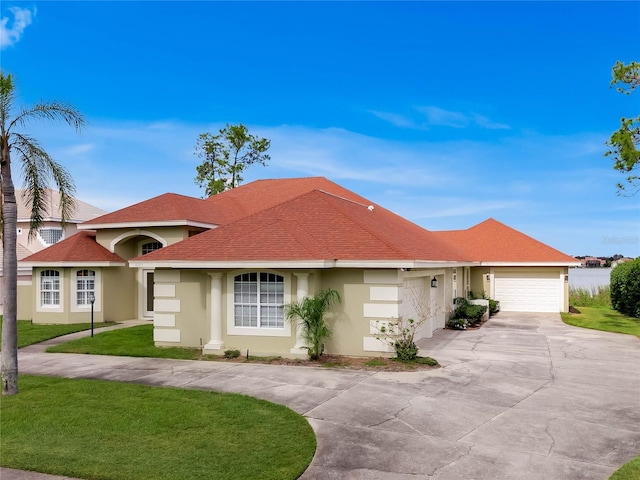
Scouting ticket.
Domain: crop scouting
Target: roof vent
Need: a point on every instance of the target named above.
(370, 207)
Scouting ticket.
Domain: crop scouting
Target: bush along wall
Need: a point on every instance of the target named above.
(625, 288)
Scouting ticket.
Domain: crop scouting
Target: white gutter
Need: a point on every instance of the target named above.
(170, 223)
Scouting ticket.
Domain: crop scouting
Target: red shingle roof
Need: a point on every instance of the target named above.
(314, 226)
(492, 241)
(80, 247)
(169, 207)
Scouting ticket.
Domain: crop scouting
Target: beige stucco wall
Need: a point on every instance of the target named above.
(132, 237)
(25, 298)
(479, 283)
(183, 309)
(120, 292)
(64, 313)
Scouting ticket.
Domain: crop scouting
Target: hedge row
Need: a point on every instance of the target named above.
(625, 288)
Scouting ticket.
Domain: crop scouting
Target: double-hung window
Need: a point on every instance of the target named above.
(85, 286)
(258, 300)
(50, 288)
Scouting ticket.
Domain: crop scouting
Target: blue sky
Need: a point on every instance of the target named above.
(446, 113)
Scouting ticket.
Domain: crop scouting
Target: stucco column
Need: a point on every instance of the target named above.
(301, 292)
(215, 336)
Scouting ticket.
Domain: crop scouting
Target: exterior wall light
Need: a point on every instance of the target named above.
(434, 282)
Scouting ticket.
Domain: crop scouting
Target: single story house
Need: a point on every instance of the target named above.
(214, 273)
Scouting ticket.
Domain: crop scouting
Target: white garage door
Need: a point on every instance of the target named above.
(528, 291)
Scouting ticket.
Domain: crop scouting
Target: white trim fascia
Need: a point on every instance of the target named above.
(71, 264)
(170, 223)
(530, 264)
(303, 264)
(239, 264)
(428, 264)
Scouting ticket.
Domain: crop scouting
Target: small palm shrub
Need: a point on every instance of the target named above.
(309, 314)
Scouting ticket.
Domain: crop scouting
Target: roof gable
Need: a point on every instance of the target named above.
(78, 248)
(493, 241)
(166, 209)
(314, 226)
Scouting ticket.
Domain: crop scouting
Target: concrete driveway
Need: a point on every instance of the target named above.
(524, 397)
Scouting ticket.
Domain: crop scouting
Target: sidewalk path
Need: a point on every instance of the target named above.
(525, 397)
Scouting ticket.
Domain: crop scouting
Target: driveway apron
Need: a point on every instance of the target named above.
(524, 397)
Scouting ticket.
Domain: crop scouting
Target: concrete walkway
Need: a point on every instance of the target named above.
(525, 397)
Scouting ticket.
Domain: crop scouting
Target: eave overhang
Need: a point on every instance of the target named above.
(293, 264)
(136, 225)
(62, 264)
(529, 264)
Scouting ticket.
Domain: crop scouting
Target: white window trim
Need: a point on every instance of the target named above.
(232, 329)
(49, 308)
(97, 305)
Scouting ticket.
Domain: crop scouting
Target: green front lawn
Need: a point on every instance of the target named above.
(629, 471)
(128, 342)
(603, 318)
(29, 333)
(110, 430)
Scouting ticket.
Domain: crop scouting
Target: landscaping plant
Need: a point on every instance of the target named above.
(309, 314)
(466, 314)
(625, 288)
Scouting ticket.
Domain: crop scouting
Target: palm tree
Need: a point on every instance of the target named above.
(38, 169)
(310, 312)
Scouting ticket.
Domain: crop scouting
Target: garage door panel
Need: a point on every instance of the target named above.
(528, 292)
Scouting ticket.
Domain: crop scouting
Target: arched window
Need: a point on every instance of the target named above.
(258, 300)
(50, 288)
(85, 286)
(150, 247)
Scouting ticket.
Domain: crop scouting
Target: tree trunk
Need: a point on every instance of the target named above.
(9, 367)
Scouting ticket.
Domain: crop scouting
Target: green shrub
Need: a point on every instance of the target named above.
(471, 314)
(406, 349)
(458, 323)
(231, 353)
(494, 306)
(625, 288)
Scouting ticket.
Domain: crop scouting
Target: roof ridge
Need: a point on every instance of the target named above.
(367, 229)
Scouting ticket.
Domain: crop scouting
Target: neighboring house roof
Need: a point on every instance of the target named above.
(492, 242)
(169, 209)
(78, 250)
(82, 211)
(316, 227)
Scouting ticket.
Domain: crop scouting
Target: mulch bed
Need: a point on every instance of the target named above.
(380, 364)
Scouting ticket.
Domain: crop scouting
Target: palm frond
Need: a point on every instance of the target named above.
(52, 111)
(38, 172)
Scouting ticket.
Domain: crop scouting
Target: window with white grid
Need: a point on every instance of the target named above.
(85, 286)
(50, 288)
(150, 247)
(258, 300)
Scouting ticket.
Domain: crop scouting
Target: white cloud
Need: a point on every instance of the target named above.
(446, 118)
(435, 116)
(396, 119)
(11, 29)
